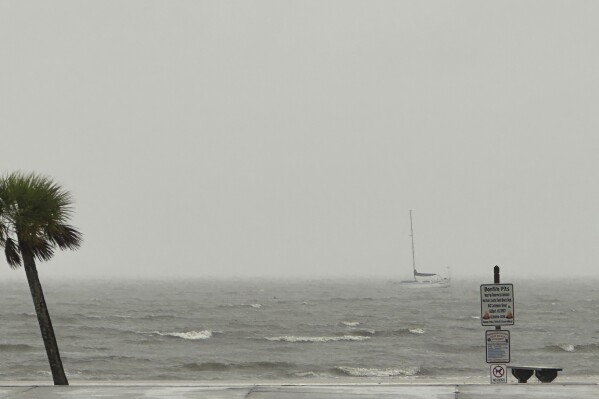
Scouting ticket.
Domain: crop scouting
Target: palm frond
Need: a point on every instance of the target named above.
(67, 237)
(3, 230)
(11, 250)
(42, 250)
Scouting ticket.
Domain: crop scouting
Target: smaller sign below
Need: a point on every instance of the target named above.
(498, 346)
(498, 374)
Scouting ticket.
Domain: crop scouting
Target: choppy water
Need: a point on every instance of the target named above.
(256, 330)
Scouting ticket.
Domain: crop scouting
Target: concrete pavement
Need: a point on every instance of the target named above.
(301, 391)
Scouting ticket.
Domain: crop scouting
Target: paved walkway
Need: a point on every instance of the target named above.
(382, 391)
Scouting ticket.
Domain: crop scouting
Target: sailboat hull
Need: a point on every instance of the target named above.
(426, 284)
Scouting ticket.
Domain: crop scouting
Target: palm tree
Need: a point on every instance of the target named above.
(34, 212)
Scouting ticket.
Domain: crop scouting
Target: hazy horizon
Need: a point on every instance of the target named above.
(290, 139)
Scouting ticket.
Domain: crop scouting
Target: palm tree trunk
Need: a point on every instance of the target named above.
(43, 317)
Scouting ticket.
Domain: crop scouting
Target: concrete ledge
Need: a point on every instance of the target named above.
(304, 391)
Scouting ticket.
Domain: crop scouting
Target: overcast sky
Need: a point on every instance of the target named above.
(291, 138)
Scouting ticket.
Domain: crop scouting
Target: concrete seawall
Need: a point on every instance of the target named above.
(300, 391)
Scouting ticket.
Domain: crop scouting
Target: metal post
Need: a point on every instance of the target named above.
(496, 280)
(413, 253)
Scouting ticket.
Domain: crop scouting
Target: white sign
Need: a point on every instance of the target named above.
(497, 304)
(498, 346)
(498, 374)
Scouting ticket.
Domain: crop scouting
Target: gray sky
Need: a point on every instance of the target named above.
(290, 138)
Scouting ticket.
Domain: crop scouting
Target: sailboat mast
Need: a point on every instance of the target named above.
(413, 254)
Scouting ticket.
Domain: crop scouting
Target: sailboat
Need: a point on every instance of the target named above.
(424, 279)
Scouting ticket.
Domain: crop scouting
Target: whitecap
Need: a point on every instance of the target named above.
(291, 338)
(417, 331)
(372, 372)
(568, 347)
(308, 374)
(193, 335)
(242, 305)
(350, 323)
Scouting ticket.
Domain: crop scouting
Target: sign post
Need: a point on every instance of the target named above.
(497, 309)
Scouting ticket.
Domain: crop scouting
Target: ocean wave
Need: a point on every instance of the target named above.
(148, 316)
(96, 329)
(341, 299)
(192, 335)
(94, 316)
(453, 348)
(15, 347)
(96, 348)
(568, 347)
(292, 338)
(363, 332)
(466, 318)
(85, 316)
(561, 348)
(151, 316)
(242, 305)
(112, 358)
(587, 348)
(309, 374)
(448, 371)
(69, 374)
(375, 372)
(221, 366)
(573, 348)
(350, 323)
(396, 333)
(208, 366)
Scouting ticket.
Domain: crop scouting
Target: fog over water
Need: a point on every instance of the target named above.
(290, 139)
